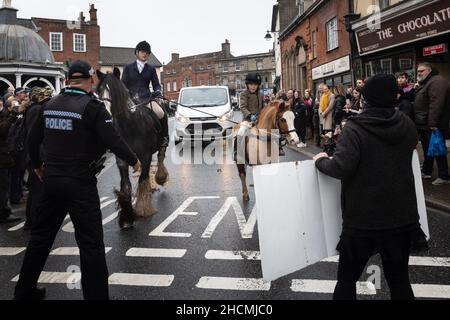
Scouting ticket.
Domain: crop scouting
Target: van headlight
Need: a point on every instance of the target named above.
(181, 119)
(226, 117)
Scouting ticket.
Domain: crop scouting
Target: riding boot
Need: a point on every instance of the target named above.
(165, 140)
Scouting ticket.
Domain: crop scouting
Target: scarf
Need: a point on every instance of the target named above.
(324, 102)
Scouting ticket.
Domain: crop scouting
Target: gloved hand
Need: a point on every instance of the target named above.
(253, 118)
(157, 94)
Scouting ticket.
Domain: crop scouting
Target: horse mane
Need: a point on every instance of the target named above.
(118, 92)
(268, 117)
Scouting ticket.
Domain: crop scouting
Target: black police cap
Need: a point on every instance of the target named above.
(82, 69)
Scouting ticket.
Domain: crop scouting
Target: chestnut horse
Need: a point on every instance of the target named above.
(261, 145)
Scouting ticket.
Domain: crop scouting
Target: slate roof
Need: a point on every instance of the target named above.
(115, 56)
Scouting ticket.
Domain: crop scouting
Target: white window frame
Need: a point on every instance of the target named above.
(332, 34)
(60, 34)
(259, 65)
(75, 44)
(238, 67)
(314, 43)
(175, 89)
(168, 86)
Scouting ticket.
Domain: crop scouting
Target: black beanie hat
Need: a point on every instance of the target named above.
(380, 91)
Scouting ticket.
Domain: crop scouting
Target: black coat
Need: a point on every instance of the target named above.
(139, 83)
(373, 160)
(6, 120)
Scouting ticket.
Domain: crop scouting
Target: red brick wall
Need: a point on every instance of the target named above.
(317, 21)
(183, 72)
(92, 32)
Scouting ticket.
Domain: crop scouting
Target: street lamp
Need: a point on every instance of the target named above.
(268, 36)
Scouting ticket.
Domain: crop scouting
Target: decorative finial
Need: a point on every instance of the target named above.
(7, 4)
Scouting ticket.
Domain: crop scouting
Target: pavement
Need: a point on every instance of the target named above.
(437, 197)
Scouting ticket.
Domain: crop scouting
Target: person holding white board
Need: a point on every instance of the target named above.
(379, 204)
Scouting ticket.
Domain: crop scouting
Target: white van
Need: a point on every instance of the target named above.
(191, 124)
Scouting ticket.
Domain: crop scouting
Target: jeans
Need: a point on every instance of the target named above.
(442, 163)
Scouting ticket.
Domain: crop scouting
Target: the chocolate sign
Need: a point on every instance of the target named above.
(424, 22)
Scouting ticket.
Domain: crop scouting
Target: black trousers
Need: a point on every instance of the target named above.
(80, 199)
(355, 252)
(4, 189)
(36, 188)
(300, 127)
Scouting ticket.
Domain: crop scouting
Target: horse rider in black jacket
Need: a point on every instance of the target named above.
(137, 77)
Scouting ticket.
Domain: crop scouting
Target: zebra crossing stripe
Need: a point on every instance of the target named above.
(71, 251)
(11, 251)
(431, 291)
(56, 277)
(238, 284)
(141, 280)
(155, 253)
(233, 255)
(328, 286)
(443, 262)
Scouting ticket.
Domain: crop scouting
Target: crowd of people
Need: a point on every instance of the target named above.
(423, 100)
(17, 113)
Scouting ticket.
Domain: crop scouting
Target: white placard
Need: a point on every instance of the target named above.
(300, 216)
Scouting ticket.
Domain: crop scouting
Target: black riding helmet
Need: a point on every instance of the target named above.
(254, 78)
(143, 46)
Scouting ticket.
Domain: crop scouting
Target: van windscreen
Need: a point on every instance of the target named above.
(204, 97)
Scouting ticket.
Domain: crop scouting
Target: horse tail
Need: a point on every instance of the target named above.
(126, 214)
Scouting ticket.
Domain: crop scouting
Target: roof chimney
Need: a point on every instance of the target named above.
(82, 18)
(226, 48)
(175, 57)
(93, 14)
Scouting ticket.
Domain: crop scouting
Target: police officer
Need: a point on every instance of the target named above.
(75, 130)
(137, 77)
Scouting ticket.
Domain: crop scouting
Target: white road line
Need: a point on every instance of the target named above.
(245, 227)
(70, 251)
(429, 261)
(239, 284)
(11, 251)
(56, 278)
(431, 291)
(155, 253)
(141, 280)
(159, 231)
(414, 261)
(327, 286)
(233, 255)
(17, 227)
(69, 228)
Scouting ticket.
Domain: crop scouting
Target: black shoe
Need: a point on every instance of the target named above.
(38, 294)
(282, 153)
(165, 142)
(27, 226)
(9, 219)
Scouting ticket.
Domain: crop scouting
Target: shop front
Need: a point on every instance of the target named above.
(413, 32)
(333, 73)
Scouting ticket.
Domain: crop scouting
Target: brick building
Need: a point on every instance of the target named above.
(232, 71)
(191, 71)
(70, 40)
(315, 46)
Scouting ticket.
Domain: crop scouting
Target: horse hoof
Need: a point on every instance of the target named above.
(246, 198)
(126, 226)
